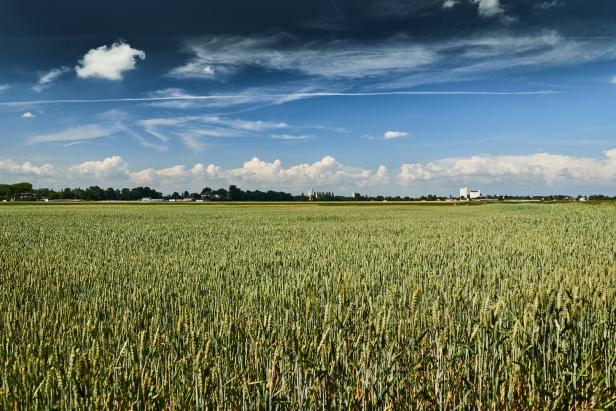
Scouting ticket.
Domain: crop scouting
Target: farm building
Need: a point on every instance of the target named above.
(466, 194)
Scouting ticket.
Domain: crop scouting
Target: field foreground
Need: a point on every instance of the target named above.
(244, 307)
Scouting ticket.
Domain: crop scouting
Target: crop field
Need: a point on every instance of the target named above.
(307, 307)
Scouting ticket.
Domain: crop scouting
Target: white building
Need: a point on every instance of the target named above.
(464, 193)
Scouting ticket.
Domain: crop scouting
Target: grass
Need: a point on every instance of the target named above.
(217, 307)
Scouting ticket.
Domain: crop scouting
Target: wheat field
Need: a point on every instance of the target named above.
(307, 307)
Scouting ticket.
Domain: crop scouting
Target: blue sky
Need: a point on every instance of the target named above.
(386, 96)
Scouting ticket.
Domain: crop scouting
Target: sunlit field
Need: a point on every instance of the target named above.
(286, 307)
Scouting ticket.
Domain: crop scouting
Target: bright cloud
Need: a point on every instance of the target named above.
(257, 173)
(4, 87)
(73, 134)
(613, 80)
(111, 168)
(391, 135)
(45, 79)
(28, 114)
(326, 173)
(109, 63)
(546, 167)
(26, 169)
(176, 175)
(489, 8)
(449, 4)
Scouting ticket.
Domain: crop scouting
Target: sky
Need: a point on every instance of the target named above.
(396, 97)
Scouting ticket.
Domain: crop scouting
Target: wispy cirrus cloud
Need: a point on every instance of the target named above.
(269, 97)
(292, 137)
(75, 134)
(193, 130)
(160, 132)
(398, 56)
(47, 78)
(228, 54)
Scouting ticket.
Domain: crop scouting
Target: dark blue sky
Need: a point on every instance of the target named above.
(401, 97)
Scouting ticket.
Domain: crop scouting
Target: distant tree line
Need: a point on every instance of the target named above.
(26, 192)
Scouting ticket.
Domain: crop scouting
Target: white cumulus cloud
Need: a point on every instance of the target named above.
(26, 169)
(540, 167)
(391, 135)
(28, 114)
(327, 171)
(109, 63)
(449, 4)
(111, 168)
(256, 173)
(489, 8)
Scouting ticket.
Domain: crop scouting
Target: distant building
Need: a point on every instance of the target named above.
(210, 196)
(312, 195)
(355, 196)
(466, 194)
